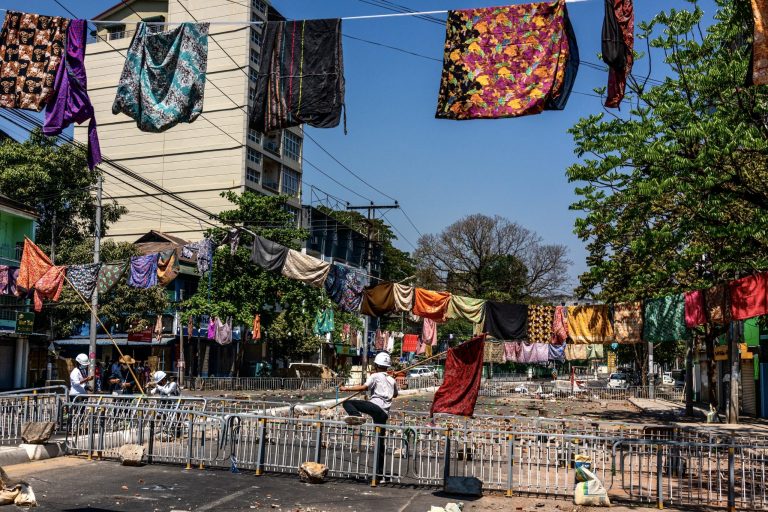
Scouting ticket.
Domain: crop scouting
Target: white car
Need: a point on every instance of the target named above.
(618, 381)
(424, 372)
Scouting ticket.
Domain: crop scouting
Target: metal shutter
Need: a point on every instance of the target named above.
(748, 400)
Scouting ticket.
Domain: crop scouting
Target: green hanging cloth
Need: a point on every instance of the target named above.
(664, 319)
(324, 322)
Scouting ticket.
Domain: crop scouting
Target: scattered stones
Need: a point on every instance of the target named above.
(313, 473)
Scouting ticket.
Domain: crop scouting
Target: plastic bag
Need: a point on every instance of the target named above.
(591, 492)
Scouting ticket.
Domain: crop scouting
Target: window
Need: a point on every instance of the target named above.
(252, 174)
(254, 156)
(154, 28)
(292, 145)
(252, 94)
(254, 74)
(255, 57)
(254, 136)
(259, 5)
(291, 181)
(115, 32)
(255, 37)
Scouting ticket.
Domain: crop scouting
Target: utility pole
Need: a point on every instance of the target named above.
(369, 259)
(95, 295)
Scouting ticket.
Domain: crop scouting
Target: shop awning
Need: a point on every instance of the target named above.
(121, 340)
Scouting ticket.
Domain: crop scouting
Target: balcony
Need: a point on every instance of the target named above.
(272, 144)
(270, 177)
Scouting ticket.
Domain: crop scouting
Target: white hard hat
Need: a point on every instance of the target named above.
(158, 375)
(82, 359)
(382, 359)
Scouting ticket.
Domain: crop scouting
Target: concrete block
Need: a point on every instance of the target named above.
(37, 432)
(463, 485)
(313, 472)
(131, 454)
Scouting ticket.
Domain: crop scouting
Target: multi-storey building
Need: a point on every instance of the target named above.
(200, 160)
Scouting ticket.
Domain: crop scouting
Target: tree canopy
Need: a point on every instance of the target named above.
(674, 193)
(56, 182)
(492, 257)
(240, 289)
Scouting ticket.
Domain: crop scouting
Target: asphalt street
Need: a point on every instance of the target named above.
(69, 484)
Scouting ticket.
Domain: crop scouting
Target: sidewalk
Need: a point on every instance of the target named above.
(675, 414)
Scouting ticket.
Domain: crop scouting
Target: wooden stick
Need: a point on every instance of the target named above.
(403, 370)
(136, 379)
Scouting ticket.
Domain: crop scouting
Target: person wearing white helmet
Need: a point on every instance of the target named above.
(381, 387)
(79, 376)
(162, 386)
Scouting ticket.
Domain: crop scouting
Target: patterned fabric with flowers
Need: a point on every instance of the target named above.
(507, 61)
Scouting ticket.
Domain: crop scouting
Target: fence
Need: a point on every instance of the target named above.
(644, 467)
(264, 384)
(16, 410)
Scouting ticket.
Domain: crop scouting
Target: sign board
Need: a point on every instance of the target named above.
(721, 352)
(145, 335)
(25, 322)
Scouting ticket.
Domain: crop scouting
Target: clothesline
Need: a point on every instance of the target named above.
(235, 22)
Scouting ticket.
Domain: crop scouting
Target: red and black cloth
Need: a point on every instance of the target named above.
(617, 47)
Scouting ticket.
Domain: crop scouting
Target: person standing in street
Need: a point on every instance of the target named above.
(79, 376)
(122, 382)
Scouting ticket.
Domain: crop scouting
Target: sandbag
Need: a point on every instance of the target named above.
(591, 492)
(20, 494)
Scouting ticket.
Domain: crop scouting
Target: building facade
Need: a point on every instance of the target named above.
(200, 160)
(23, 358)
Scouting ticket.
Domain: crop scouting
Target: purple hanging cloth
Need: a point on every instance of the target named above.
(70, 102)
(143, 271)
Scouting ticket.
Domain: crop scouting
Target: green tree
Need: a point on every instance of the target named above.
(56, 182)
(240, 289)
(674, 194)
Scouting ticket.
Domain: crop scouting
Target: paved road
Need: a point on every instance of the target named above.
(75, 485)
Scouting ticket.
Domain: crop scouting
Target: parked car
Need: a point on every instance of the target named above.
(618, 381)
(423, 372)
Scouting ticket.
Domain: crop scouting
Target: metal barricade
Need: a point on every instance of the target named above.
(16, 410)
(168, 435)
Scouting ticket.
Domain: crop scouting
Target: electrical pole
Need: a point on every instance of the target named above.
(95, 295)
(369, 259)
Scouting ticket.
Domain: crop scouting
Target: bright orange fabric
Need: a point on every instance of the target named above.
(257, 327)
(49, 286)
(34, 264)
(429, 304)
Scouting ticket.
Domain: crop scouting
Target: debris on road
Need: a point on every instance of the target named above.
(313, 472)
(463, 485)
(37, 432)
(19, 493)
(450, 507)
(131, 454)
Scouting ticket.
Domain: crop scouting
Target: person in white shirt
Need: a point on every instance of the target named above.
(162, 386)
(79, 376)
(381, 387)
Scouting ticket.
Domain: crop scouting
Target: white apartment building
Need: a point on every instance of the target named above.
(199, 160)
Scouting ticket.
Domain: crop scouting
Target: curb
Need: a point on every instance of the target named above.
(10, 455)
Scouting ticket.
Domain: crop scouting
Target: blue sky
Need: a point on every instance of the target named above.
(440, 170)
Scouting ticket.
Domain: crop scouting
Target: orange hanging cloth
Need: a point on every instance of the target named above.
(49, 286)
(256, 328)
(430, 304)
(34, 264)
